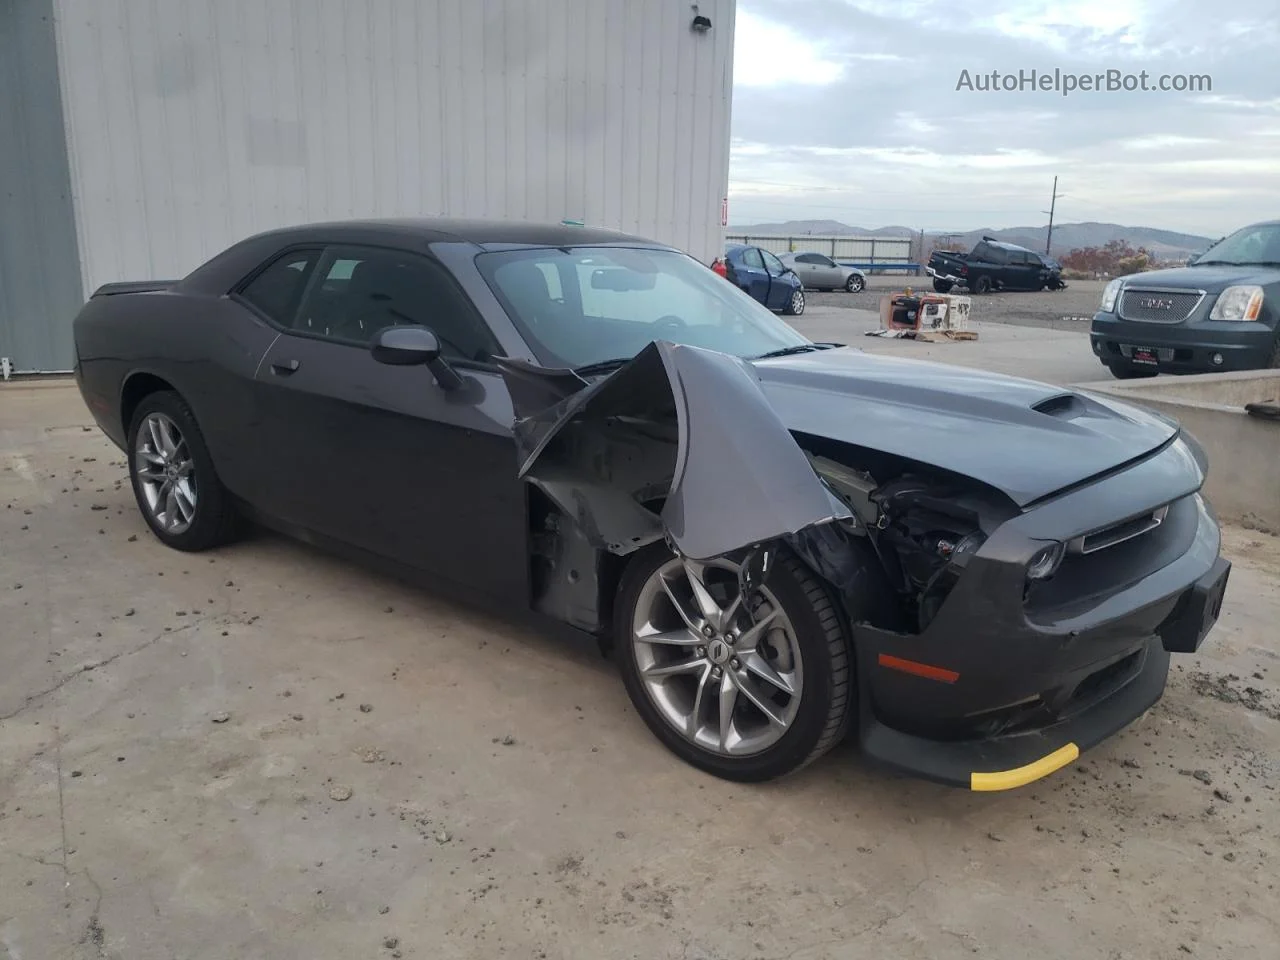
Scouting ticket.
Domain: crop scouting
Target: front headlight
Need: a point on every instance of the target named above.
(1238, 303)
(1109, 295)
(1045, 562)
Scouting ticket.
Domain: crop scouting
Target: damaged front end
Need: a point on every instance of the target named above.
(681, 444)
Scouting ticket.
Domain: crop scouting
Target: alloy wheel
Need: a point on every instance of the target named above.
(166, 473)
(797, 302)
(723, 671)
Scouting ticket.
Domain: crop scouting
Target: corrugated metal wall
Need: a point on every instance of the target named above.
(862, 249)
(39, 270)
(193, 123)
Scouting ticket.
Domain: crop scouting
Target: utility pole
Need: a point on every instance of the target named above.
(1053, 202)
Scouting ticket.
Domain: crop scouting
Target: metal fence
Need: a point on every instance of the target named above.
(874, 253)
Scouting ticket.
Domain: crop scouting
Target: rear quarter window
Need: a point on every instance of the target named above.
(277, 290)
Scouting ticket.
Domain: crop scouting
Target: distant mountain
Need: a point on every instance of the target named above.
(1165, 244)
(821, 228)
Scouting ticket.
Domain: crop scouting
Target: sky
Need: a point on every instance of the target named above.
(849, 110)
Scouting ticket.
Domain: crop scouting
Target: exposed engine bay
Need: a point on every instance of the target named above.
(923, 527)
(624, 462)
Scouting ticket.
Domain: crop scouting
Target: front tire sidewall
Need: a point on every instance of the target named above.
(797, 746)
(212, 522)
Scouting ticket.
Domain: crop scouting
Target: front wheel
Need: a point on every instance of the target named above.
(173, 476)
(746, 688)
(795, 305)
(855, 283)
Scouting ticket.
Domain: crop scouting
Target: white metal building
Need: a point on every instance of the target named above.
(138, 138)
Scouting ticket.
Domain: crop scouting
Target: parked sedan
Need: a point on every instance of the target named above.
(763, 277)
(817, 271)
(780, 541)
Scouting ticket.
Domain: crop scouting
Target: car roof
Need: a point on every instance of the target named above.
(482, 233)
(1005, 245)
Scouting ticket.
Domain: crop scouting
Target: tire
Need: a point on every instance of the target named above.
(201, 517)
(982, 284)
(855, 283)
(795, 305)
(1275, 355)
(1127, 371)
(818, 714)
(942, 286)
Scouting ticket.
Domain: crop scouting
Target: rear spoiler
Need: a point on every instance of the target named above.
(133, 286)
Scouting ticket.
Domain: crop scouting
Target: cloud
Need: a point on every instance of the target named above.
(773, 54)
(849, 109)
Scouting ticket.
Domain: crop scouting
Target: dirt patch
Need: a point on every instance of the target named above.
(1230, 688)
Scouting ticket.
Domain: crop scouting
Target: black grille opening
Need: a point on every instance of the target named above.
(1103, 683)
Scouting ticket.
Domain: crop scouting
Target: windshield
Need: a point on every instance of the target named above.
(1252, 245)
(588, 305)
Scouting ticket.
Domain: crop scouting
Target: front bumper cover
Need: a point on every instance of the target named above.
(1025, 690)
(1187, 347)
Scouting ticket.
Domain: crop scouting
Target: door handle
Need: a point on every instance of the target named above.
(285, 367)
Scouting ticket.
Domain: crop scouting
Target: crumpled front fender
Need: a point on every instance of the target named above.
(680, 430)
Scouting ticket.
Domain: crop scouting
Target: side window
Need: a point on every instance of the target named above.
(772, 263)
(991, 254)
(807, 258)
(362, 290)
(751, 257)
(277, 290)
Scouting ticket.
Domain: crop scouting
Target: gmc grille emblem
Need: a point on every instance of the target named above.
(1155, 303)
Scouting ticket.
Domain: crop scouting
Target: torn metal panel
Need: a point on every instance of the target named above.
(712, 449)
(607, 516)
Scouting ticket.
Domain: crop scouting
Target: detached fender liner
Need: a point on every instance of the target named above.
(682, 426)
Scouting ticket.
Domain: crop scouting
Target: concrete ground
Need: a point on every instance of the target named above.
(263, 752)
(1058, 356)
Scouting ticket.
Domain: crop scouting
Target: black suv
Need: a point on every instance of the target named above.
(1220, 312)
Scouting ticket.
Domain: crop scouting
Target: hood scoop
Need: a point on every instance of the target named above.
(1064, 406)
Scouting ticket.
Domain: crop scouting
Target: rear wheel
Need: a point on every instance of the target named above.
(174, 481)
(855, 283)
(942, 286)
(982, 285)
(795, 306)
(746, 688)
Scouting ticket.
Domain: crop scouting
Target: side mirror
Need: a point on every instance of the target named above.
(406, 346)
(412, 345)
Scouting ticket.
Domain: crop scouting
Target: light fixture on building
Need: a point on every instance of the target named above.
(700, 23)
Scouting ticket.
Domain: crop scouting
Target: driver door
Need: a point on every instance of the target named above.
(779, 291)
(752, 276)
(381, 457)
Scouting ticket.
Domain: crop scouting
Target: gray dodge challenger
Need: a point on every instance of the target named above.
(782, 543)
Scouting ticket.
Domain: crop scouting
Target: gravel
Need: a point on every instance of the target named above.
(1070, 309)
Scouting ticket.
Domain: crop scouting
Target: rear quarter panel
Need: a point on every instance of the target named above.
(206, 347)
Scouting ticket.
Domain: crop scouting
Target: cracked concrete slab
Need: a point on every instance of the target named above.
(502, 799)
